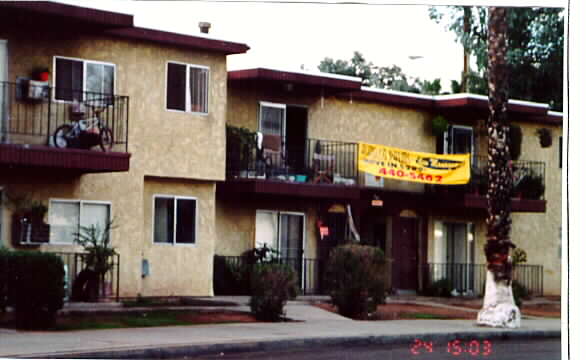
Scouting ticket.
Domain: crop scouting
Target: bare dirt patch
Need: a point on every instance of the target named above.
(218, 317)
(129, 319)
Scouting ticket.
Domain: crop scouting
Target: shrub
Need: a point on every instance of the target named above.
(234, 277)
(231, 278)
(520, 292)
(34, 286)
(356, 277)
(272, 285)
(441, 288)
(6, 271)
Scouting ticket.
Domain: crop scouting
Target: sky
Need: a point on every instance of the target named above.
(288, 36)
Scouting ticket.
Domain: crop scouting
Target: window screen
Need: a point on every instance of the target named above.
(198, 89)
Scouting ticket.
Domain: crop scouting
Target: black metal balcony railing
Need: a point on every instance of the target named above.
(30, 114)
(310, 273)
(471, 278)
(528, 178)
(76, 262)
(325, 161)
(315, 161)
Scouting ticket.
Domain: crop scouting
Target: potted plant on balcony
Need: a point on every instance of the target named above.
(530, 187)
(439, 125)
(545, 139)
(240, 144)
(41, 73)
(28, 220)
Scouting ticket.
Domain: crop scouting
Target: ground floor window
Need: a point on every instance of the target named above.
(67, 216)
(282, 231)
(175, 220)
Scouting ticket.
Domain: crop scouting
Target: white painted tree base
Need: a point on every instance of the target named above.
(499, 309)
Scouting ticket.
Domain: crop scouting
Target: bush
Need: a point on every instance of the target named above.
(5, 274)
(441, 288)
(520, 292)
(356, 277)
(234, 277)
(272, 285)
(231, 278)
(33, 283)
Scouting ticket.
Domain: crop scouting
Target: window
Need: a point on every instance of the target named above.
(66, 217)
(459, 140)
(281, 231)
(272, 119)
(83, 80)
(174, 220)
(187, 88)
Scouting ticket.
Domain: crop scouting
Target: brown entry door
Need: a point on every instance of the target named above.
(405, 254)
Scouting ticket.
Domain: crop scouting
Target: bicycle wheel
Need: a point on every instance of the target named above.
(106, 139)
(61, 135)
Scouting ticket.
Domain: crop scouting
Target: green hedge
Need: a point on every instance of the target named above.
(33, 283)
(272, 285)
(356, 276)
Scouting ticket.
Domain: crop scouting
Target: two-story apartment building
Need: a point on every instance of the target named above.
(163, 97)
(180, 190)
(299, 189)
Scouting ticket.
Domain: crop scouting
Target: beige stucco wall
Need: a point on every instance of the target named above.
(332, 118)
(177, 270)
(539, 234)
(236, 225)
(162, 143)
(184, 148)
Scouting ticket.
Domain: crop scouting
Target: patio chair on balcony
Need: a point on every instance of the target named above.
(323, 168)
(274, 155)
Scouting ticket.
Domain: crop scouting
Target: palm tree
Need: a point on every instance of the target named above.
(499, 307)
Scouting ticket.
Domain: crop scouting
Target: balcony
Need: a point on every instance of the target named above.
(527, 194)
(311, 168)
(29, 116)
(325, 168)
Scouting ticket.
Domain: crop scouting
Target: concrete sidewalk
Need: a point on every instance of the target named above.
(319, 328)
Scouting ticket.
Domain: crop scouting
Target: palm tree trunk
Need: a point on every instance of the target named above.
(499, 309)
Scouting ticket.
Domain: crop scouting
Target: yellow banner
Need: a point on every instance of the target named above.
(394, 163)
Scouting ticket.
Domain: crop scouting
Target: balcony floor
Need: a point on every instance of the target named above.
(73, 160)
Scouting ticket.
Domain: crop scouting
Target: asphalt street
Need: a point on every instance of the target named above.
(547, 349)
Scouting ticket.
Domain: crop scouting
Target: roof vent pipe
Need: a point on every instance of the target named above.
(204, 27)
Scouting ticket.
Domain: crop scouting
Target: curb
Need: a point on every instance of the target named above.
(177, 351)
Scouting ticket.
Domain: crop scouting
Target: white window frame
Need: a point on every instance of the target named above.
(81, 203)
(187, 82)
(273, 105)
(83, 81)
(175, 198)
(304, 237)
(448, 134)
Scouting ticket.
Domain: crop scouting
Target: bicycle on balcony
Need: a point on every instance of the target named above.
(85, 133)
